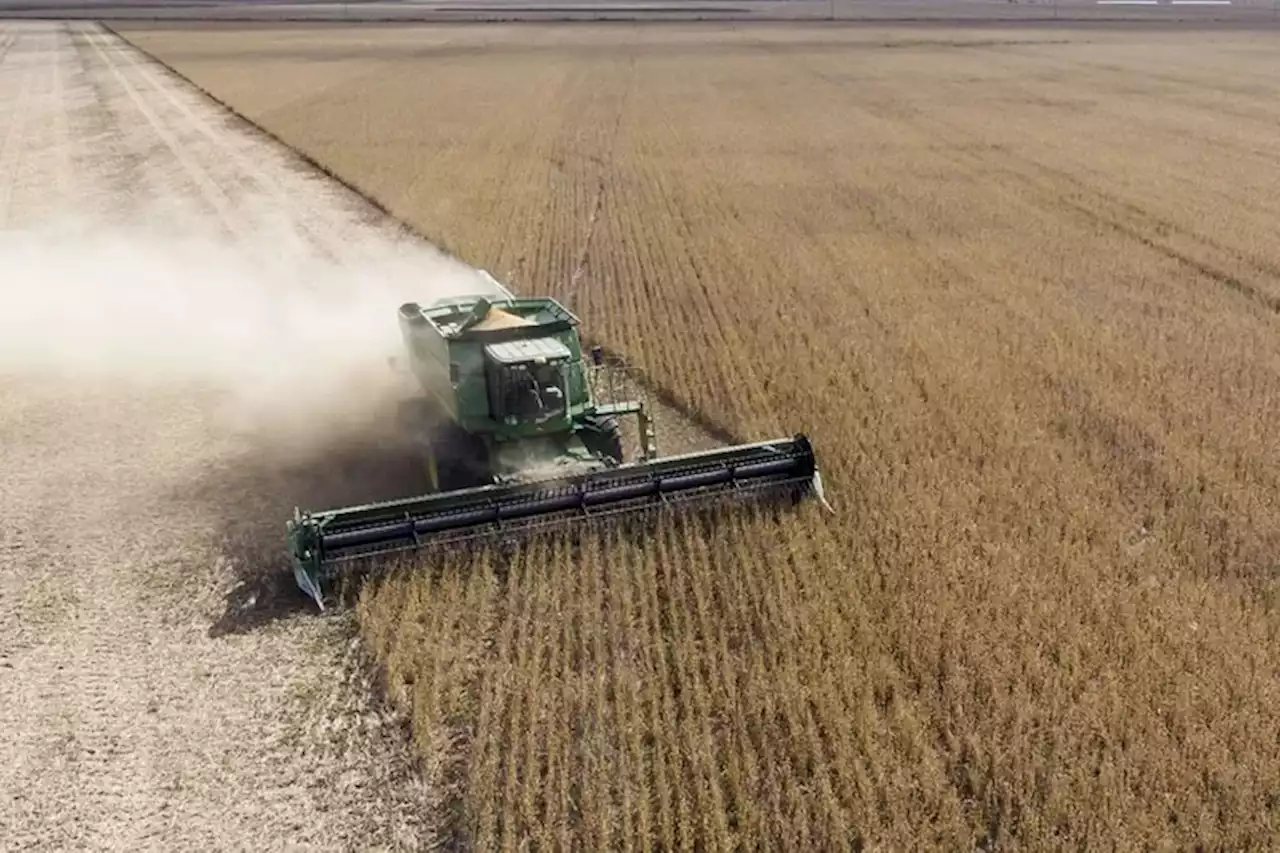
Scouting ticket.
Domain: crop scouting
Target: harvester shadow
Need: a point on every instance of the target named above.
(252, 496)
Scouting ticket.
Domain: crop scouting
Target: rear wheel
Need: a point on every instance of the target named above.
(602, 436)
(461, 459)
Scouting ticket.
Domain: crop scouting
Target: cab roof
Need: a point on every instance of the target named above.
(539, 350)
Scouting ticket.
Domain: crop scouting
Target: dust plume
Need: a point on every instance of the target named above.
(286, 335)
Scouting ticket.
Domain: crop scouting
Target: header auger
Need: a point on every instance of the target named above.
(516, 436)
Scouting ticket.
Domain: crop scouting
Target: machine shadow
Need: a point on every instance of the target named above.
(251, 496)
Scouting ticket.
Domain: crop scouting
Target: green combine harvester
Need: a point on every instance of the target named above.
(515, 435)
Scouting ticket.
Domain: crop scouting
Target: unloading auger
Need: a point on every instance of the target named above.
(517, 436)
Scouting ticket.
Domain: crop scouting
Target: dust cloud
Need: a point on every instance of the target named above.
(285, 335)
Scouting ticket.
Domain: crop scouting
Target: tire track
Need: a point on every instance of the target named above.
(1144, 227)
(318, 234)
(1105, 208)
(211, 192)
(58, 105)
(6, 42)
(1100, 207)
(43, 117)
(14, 137)
(1092, 203)
(286, 177)
(110, 170)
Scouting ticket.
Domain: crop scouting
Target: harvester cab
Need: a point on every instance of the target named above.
(529, 382)
(504, 390)
(516, 433)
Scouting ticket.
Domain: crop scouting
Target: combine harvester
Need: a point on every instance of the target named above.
(516, 435)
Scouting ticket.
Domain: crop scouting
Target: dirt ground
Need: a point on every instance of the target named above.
(161, 687)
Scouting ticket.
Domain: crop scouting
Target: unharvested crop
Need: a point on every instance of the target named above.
(1020, 287)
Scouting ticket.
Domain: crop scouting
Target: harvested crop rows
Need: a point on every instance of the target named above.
(1021, 289)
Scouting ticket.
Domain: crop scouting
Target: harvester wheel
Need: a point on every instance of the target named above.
(602, 436)
(417, 416)
(462, 459)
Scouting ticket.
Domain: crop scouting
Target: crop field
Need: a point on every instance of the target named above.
(1021, 287)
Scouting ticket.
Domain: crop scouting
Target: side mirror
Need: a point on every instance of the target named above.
(597, 356)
